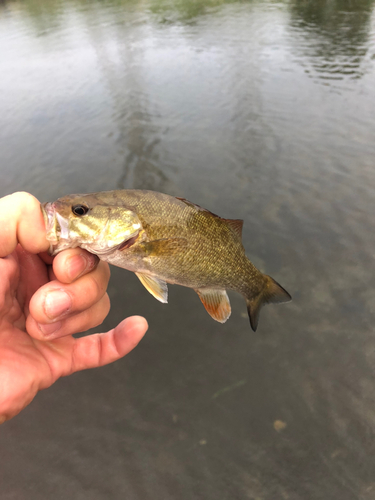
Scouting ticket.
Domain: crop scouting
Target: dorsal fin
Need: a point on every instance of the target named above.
(194, 205)
(236, 226)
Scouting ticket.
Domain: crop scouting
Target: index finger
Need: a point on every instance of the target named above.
(21, 221)
(72, 263)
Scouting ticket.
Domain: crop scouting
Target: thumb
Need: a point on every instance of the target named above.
(21, 221)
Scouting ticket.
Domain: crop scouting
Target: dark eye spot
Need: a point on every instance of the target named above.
(80, 210)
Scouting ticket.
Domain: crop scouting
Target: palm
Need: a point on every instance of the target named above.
(42, 306)
(25, 359)
(21, 357)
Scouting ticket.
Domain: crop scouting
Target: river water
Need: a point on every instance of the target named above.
(260, 110)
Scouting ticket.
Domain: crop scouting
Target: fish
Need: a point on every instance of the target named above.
(164, 239)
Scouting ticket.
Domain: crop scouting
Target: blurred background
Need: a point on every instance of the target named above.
(262, 110)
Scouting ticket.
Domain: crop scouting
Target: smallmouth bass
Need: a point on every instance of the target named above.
(163, 239)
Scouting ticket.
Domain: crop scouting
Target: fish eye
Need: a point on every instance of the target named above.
(80, 210)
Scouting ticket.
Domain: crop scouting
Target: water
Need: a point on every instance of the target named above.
(260, 110)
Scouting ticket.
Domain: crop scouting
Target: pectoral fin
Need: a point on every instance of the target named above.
(163, 247)
(216, 303)
(158, 288)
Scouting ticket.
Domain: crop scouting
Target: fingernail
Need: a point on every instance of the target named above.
(57, 303)
(78, 264)
(49, 328)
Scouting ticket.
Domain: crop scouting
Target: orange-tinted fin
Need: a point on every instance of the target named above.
(272, 293)
(236, 226)
(163, 247)
(158, 288)
(216, 303)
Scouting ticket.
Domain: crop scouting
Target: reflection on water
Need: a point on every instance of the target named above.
(137, 136)
(261, 110)
(337, 40)
(172, 11)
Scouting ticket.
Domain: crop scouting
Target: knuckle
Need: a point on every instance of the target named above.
(100, 279)
(24, 199)
(98, 288)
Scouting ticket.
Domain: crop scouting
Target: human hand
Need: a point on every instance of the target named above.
(43, 302)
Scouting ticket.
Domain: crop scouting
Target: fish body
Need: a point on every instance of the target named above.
(163, 240)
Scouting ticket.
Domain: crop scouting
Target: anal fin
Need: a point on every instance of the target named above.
(216, 303)
(157, 287)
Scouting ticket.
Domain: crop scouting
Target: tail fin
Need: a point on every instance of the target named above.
(272, 293)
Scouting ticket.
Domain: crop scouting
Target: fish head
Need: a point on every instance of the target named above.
(88, 222)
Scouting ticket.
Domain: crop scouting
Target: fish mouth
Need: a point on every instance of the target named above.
(57, 229)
